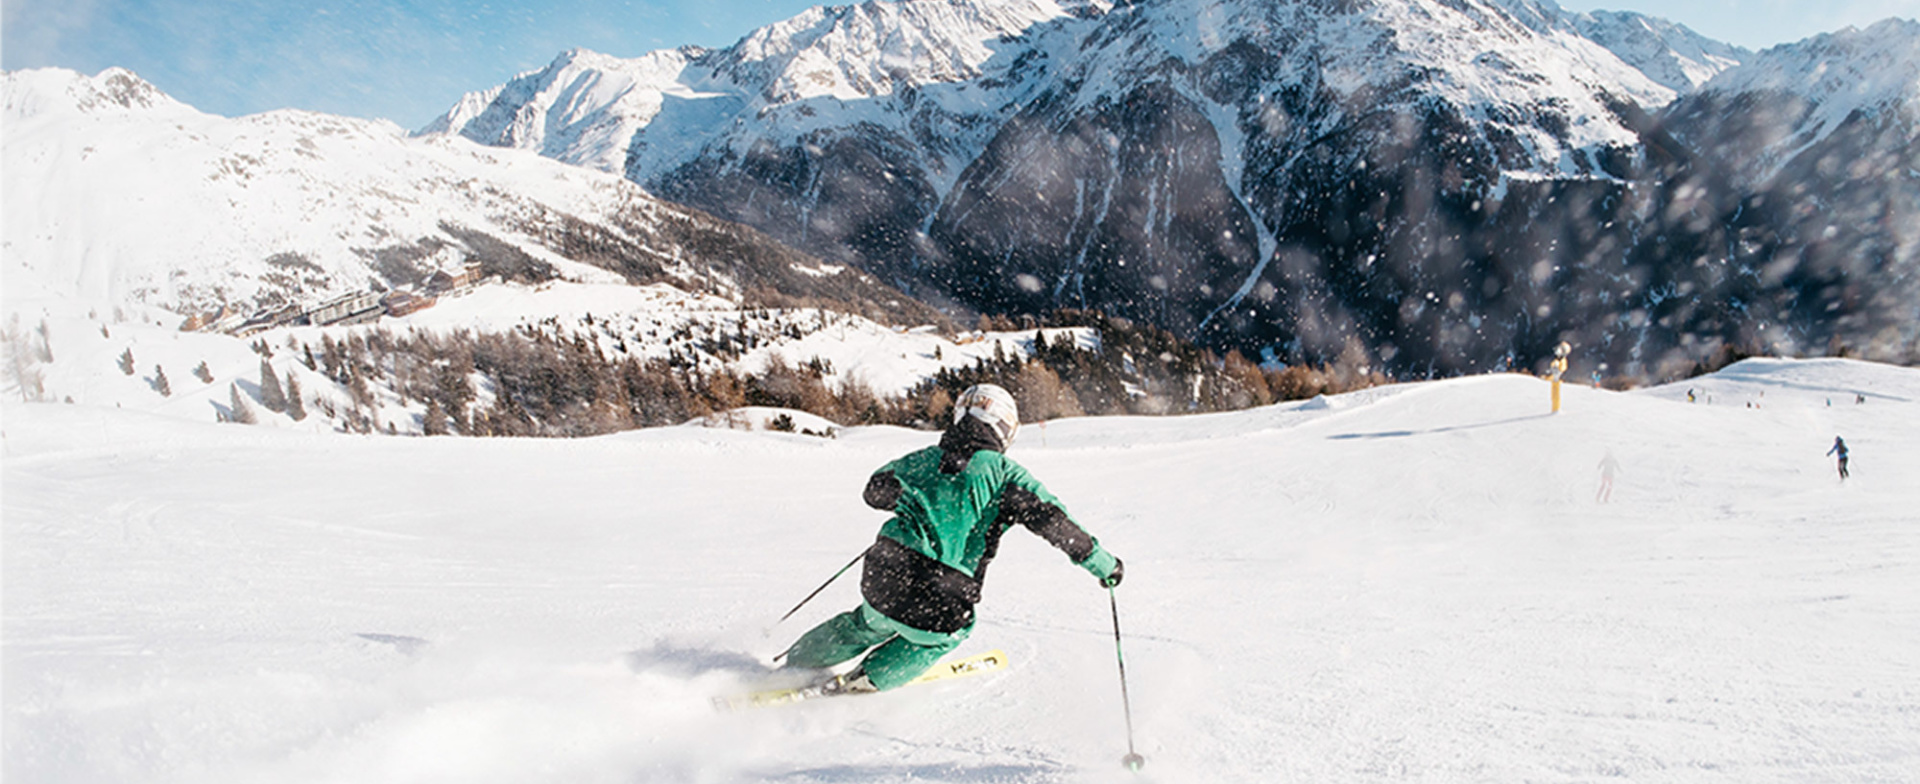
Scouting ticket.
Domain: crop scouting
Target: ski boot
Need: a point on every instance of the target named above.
(851, 682)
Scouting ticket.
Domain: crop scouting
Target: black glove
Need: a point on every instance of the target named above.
(1113, 578)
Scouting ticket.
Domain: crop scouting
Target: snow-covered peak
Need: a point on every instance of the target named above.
(464, 111)
(1492, 60)
(860, 51)
(1669, 53)
(580, 109)
(1871, 71)
(1851, 95)
(138, 200)
(1514, 52)
(57, 91)
(839, 67)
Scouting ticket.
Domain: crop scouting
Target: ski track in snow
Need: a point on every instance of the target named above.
(1408, 583)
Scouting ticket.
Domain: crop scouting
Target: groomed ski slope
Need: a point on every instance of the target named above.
(1412, 583)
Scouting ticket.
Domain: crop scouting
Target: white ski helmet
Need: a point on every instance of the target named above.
(992, 405)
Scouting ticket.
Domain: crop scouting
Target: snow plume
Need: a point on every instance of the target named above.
(376, 708)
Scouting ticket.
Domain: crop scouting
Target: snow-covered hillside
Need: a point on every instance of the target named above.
(152, 203)
(130, 216)
(1805, 92)
(121, 200)
(1409, 583)
(1672, 54)
(79, 359)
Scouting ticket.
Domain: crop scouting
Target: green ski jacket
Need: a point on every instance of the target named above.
(950, 505)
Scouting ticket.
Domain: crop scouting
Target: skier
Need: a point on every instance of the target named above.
(1608, 467)
(1840, 449)
(922, 575)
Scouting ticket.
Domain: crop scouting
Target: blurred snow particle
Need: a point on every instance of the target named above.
(1542, 270)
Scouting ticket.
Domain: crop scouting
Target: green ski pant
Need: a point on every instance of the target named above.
(903, 653)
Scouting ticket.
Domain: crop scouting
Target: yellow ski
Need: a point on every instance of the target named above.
(958, 668)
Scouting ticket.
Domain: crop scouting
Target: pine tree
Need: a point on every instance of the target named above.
(126, 362)
(1042, 394)
(435, 421)
(203, 373)
(45, 350)
(238, 410)
(296, 408)
(20, 365)
(160, 382)
(271, 395)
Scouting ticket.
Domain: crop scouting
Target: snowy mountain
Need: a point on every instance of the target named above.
(1412, 583)
(121, 198)
(1445, 185)
(1791, 101)
(582, 109)
(1671, 54)
(1809, 158)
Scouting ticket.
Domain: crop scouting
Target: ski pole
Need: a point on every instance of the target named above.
(1133, 760)
(823, 586)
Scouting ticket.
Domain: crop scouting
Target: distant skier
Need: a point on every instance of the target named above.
(922, 575)
(1840, 449)
(1608, 467)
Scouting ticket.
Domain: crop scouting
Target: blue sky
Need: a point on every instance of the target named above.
(409, 61)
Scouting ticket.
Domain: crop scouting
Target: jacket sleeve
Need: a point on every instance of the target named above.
(1025, 502)
(883, 490)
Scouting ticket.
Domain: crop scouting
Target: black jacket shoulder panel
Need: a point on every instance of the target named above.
(883, 490)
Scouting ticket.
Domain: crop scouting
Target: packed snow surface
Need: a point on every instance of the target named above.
(1411, 583)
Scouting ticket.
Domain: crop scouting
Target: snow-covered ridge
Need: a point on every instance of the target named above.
(1669, 53)
(585, 108)
(140, 200)
(658, 111)
(54, 93)
(582, 109)
(1870, 71)
(861, 51)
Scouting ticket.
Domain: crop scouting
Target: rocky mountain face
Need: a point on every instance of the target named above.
(1808, 162)
(1436, 185)
(141, 201)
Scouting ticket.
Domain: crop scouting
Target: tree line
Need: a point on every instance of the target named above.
(532, 382)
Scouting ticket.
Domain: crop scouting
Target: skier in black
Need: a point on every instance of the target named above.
(1840, 449)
